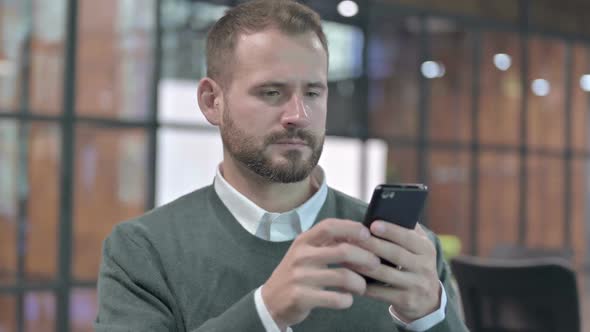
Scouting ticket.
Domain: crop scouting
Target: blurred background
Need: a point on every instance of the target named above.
(486, 102)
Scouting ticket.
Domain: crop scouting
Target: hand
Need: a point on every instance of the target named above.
(414, 291)
(299, 282)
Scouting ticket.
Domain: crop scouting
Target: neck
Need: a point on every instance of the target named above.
(271, 196)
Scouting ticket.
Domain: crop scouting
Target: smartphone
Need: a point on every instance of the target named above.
(400, 204)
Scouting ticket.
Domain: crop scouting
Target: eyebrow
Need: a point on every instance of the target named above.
(277, 84)
(317, 85)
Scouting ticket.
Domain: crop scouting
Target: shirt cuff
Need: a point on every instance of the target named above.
(426, 322)
(267, 321)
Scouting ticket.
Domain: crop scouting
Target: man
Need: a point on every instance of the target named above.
(269, 247)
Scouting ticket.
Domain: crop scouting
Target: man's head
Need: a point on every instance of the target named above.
(266, 88)
(287, 16)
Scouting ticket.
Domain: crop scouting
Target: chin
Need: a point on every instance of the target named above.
(290, 160)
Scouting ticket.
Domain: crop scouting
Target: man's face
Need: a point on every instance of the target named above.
(275, 105)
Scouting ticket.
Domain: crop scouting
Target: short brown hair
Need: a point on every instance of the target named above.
(254, 16)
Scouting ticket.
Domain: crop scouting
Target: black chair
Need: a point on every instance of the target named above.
(518, 295)
(511, 251)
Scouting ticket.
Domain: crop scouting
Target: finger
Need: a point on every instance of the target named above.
(313, 298)
(419, 229)
(401, 279)
(392, 253)
(406, 238)
(387, 294)
(343, 253)
(412, 305)
(330, 231)
(340, 278)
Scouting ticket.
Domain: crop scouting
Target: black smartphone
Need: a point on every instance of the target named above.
(400, 203)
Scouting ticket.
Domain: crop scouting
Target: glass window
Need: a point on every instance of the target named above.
(331, 11)
(178, 102)
(545, 224)
(402, 164)
(29, 32)
(114, 65)
(187, 160)
(185, 25)
(498, 200)
(110, 187)
(343, 118)
(8, 200)
(546, 115)
(580, 97)
(448, 204)
(8, 313)
(37, 184)
(44, 165)
(345, 44)
(39, 311)
(500, 89)
(13, 31)
(376, 163)
(341, 161)
(449, 73)
(505, 11)
(47, 56)
(8, 253)
(580, 210)
(394, 53)
(83, 309)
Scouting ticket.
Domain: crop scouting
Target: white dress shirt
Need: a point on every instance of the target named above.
(277, 227)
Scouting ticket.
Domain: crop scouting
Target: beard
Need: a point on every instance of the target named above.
(253, 155)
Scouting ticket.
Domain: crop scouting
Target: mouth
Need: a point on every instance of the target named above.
(291, 142)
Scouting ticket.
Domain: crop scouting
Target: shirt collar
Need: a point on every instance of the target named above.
(250, 215)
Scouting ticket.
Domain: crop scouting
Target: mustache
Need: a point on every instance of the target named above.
(303, 135)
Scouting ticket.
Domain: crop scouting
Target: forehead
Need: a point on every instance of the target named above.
(271, 54)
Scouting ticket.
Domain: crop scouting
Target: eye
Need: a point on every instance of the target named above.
(312, 94)
(270, 93)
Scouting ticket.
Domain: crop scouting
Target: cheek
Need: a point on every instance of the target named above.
(249, 115)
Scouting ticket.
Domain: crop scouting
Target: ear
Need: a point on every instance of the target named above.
(210, 97)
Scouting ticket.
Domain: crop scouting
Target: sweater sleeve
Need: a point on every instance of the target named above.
(133, 294)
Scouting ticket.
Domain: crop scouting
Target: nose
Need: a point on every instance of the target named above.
(296, 114)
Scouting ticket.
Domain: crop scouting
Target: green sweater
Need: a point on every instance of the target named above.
(190, 266)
